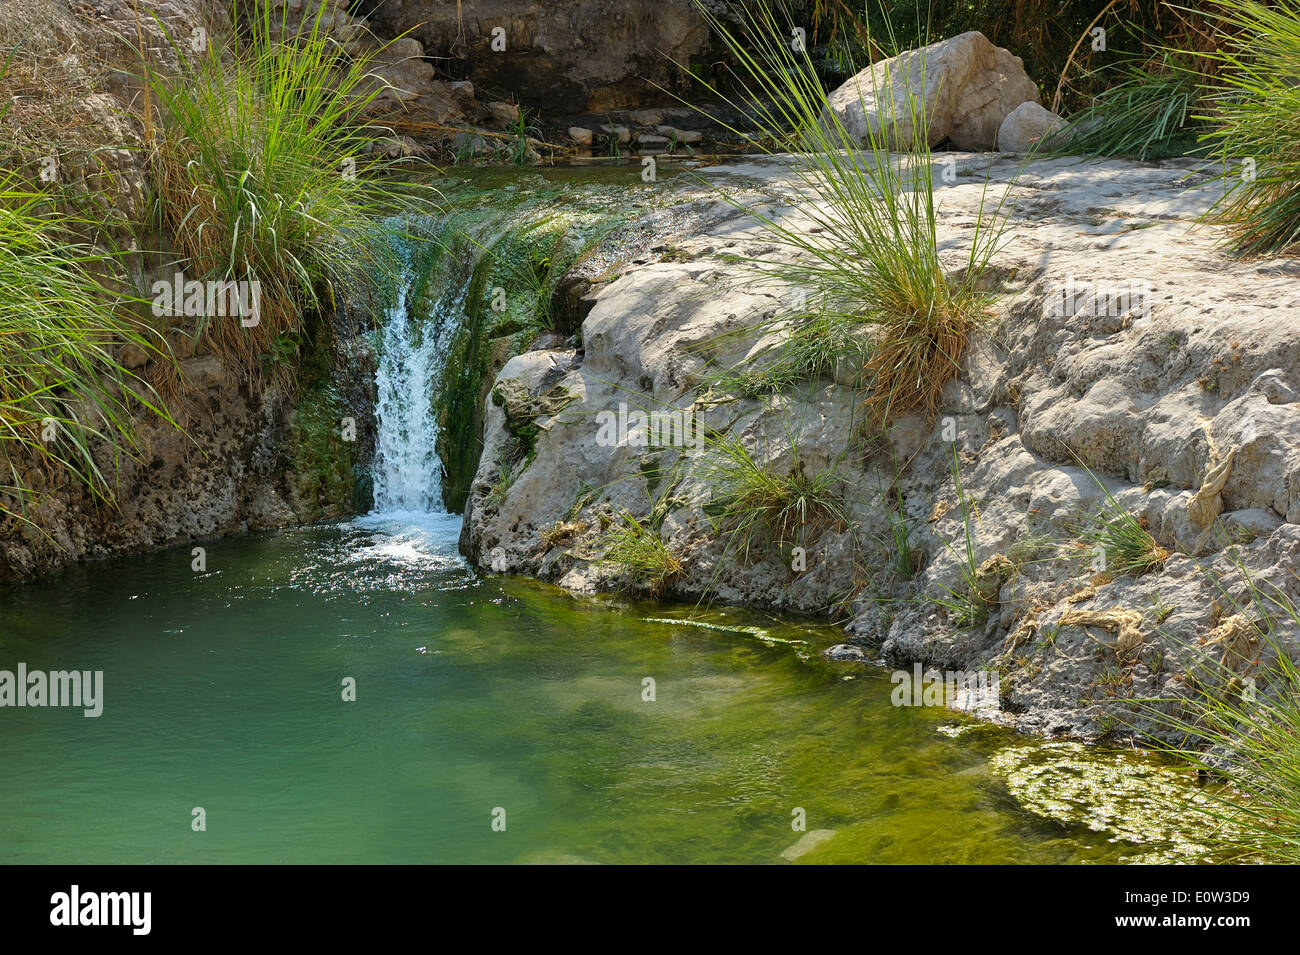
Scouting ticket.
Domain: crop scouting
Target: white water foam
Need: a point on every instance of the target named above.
(408, 505)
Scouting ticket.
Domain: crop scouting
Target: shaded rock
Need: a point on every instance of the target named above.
(688, 136)
(580, 135)
(646, 117)
(504, 114)
(565, 56)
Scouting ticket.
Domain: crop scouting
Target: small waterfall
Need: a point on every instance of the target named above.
(413, 354)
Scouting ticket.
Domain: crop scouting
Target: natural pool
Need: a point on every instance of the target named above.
(223, 690)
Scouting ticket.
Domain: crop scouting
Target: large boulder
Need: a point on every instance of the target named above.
(967, 84)
(1027, 127)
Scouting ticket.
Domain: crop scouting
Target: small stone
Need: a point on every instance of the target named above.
(505, 114)
(1028, 126)
(621, 133)
(687, 136)
(462, 94)
(580, 135)
(845, 652)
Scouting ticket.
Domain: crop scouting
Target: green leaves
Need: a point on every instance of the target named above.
(267, 171)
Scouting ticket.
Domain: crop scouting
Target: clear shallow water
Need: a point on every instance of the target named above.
(223, 690)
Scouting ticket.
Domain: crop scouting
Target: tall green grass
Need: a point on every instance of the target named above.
(1246, 734)
(1144, 111)
(1253, 108)
(265, 171)
(66, 397)
(865, 239)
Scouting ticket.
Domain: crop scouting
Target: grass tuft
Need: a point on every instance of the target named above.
(865, 241)
(266, 172)
(1253, 108)
(65, 390)
(640, 552)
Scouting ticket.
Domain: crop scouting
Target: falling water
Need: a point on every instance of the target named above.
(413, 354)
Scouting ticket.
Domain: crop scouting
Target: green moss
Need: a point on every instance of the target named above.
(323, 470)
(516, 246)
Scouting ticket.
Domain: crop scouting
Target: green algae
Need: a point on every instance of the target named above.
(1130, 797)
(323, 467)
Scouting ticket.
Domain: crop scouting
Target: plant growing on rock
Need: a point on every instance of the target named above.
(1244, 730)
(866, 239)
(811, 348)
(1122, 541)
(266, 171)
(65, 391)
(755, 501)
(639, 550)
(968, 603)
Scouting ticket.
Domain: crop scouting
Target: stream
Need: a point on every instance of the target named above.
(499, 719)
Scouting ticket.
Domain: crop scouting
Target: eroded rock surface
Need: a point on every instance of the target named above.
(1129, 356)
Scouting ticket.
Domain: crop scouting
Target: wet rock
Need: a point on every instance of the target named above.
(846, 653)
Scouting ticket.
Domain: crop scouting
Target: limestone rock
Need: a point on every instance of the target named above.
(1028, 126)
(968, 87)
(577, 55)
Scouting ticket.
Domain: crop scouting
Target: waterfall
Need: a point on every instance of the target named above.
(413, 353)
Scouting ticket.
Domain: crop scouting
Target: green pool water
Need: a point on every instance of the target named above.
(223, 690)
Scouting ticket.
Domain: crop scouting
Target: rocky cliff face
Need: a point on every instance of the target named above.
(563, 55)
(247, 455)
(1131, 359)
